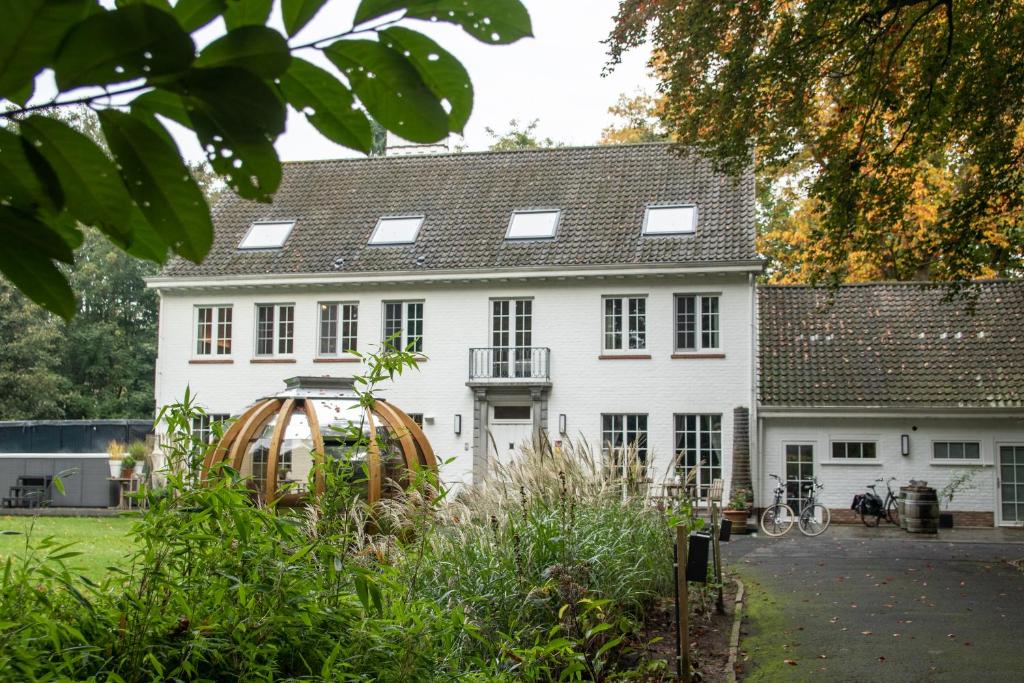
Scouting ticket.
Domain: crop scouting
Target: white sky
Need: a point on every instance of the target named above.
(554, 77)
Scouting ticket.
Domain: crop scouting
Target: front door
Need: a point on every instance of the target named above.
(511, 428)
(1011, 484)
(799, 471)
(511, 337)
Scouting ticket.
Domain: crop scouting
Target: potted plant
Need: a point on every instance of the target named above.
(738, 510)
(127, 466)
(115, 451)
(961, 481)
(139, 452)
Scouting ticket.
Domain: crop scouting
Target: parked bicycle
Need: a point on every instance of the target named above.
(873, 508)
(777, 519)
(814, 517)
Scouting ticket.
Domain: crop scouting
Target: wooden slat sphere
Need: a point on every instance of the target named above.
(276, 441)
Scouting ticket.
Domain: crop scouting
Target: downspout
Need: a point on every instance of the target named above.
(755, 417)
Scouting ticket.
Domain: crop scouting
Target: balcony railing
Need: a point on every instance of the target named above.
(510, 364)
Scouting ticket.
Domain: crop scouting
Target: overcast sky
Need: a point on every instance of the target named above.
(554, 77)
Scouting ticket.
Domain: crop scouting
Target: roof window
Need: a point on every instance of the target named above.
(674, 219)
(396, 230)
(269, 235)
(533, 225)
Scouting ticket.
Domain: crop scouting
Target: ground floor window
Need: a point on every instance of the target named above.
(956, 450)
(621, 434)
(799, 473)
(699, 445)
(203, 425)
(853, 450)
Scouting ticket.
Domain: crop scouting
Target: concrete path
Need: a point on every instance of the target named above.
(863, 605)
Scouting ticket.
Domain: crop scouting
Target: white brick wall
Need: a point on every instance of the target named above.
(843, 480)
(567, 317)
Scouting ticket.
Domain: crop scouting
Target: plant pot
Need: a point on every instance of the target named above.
(945, 520)
(115, 468)
(738, 519)
(127, 473)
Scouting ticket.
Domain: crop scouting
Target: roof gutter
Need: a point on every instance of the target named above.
(452, 276)
(880, 412)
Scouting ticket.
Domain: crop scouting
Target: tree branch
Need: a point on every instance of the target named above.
(13, 114)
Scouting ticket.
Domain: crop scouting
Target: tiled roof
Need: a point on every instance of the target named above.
(468, 199)
(892, 345)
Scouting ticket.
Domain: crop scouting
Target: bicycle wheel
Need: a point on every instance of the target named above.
(892, 512)
(777, 520)
(869, 518)
(814, 519)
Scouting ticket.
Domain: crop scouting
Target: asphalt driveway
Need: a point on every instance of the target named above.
(862, 605)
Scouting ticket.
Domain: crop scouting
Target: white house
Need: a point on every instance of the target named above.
(604, 293)
(894, 380)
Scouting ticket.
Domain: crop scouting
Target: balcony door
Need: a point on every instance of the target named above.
(512, 337)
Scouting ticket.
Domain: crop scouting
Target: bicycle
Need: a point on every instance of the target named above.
(873, 507)
(814, 517)
(777, 519)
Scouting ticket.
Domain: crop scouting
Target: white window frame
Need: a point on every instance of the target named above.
(266, 247)
(373, 242)
(216, 331)
(405, 337)
(958, 462)
(276, 337)
(202, 425)
(643, 452)
(700, 302)
(665, 233)
(680, 466)
(339, 338)
(626, 331)
(525, 212)
(830, 459)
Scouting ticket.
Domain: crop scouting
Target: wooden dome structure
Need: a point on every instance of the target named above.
(277, 441)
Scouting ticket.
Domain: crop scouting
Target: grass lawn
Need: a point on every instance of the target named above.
(103, 541)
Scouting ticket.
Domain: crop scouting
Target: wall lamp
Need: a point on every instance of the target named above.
(905, 444)
(561, 423)
(458, 424)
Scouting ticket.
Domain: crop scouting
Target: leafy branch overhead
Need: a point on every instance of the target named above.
(138, 66)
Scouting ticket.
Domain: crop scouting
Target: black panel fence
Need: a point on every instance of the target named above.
(69, 436)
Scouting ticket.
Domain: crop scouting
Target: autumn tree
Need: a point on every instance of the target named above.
(637, 118)
(518, 136)
(902, 119)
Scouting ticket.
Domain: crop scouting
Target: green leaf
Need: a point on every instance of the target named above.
(93, 191)
(499, 22)
(26, 181)
(160, 184)
(237, 117)
(443, 73)
(195, 14)
(327, 104)
(30, 32)
(247, 13)
(24, 261)
(137, 41)
(297, 13)
(391, 89)
(259, 49)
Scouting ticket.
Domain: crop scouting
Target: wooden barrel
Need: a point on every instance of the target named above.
(901, 507)
(922, 510)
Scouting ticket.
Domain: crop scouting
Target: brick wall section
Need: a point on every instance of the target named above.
(961, 518)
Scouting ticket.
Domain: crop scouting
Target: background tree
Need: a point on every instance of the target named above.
(518, 137)
(870, 105)
(637, 119)
(137, 64)
(31, 383)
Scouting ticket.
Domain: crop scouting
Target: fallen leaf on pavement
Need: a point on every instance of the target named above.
(791, 662)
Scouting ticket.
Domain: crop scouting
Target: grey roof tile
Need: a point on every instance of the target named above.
(892, 345)
(467, 200)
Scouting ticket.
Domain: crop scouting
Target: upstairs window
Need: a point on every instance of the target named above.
(678, 219)
(339, 328)
(403, 325)
(696, 322)
(532, 225)
(213, 330)
(275, 329)
(625, 323)
(396, 230)
(267, 235)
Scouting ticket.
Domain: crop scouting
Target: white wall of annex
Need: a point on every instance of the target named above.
(567, 318)
(844, 479)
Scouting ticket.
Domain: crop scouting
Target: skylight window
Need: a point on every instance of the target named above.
(396, 230)
(267, 235)
(532, 225)
(670, 220)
